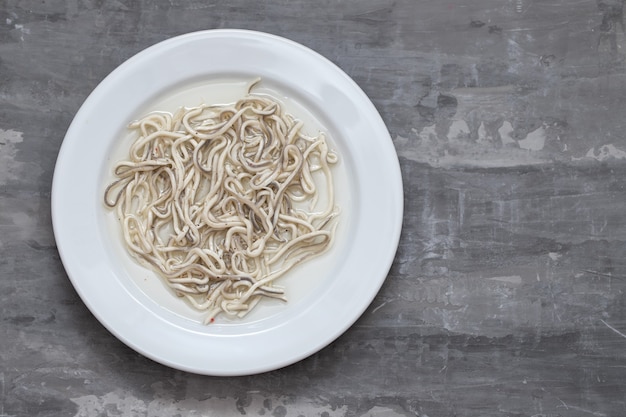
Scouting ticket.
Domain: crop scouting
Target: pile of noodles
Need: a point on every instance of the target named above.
(223, 200)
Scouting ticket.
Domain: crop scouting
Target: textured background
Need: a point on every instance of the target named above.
(506, 297)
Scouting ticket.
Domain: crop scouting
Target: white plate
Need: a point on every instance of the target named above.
(326, 296)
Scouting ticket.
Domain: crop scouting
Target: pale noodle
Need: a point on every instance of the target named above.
(221, 200)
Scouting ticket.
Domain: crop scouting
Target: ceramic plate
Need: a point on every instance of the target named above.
(325, 296)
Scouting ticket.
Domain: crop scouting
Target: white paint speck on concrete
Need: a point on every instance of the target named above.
(535, 140)
(9, 167)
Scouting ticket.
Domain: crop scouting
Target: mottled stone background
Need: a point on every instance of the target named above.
(506, 297)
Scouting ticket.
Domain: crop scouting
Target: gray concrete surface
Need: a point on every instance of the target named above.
(506, 297)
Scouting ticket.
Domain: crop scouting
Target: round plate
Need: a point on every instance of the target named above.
(325, 296)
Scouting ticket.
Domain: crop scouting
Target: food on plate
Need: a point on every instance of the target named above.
(222, 200)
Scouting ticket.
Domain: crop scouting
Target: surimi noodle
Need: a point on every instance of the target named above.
(221, 200)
